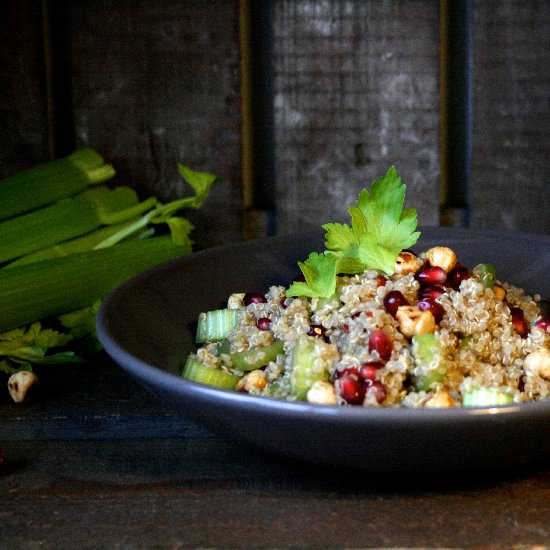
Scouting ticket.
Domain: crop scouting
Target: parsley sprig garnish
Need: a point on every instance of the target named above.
(380, 229)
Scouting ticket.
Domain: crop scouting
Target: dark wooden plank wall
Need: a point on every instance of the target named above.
(23, 112)
(356, 88)
(155, 83)
(511, 156)
(151, 83)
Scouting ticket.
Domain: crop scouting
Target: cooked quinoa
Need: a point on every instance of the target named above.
(447, 334)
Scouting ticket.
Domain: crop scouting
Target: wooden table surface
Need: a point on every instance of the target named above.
(95, 462)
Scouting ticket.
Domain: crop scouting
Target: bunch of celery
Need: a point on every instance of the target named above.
(66, 241)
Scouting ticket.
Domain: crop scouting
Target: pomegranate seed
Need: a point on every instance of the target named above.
(350, 387)
(393, 300)
(380, 342)
(263, 323)
(346, 371)
(431, 292)
(519, 322)
(378, 390)
(254, 298)
(458, 274)
(432, 275)
(381, 280)
(543, 323)
(317, 330)
(367, 371)
(436, 309)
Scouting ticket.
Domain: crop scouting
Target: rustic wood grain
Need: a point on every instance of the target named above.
(97, 400)
(511, 156)
(108, 483)
(23, 114)
(96, 462)
(356, 90)
(186, 493)
(156, 83)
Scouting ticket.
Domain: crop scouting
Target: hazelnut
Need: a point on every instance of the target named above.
(413, 321)
(21, 385)
(322, 393)
(500, 293)
(441, 256)
(236, 300)
(406, 263)
(252, 382)
(538, 362)
(441, 400)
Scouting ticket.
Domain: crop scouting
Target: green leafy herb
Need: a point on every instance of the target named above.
(320, 273)
(33, 344)
(180, 228)
(389, 227)
(380, 229)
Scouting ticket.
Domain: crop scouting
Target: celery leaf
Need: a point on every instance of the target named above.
(320, 273)
(31, 343)
(380, 229)
(180, 229)
(390, 226)
(358, 222)
(377, 256)
(339, 237)
(201, 182)
(81, 322)
(347, 265)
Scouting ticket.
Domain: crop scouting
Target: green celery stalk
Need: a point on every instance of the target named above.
(107, 236)
(61, 285)
(67, 219)
(51, 181)
(80, 244)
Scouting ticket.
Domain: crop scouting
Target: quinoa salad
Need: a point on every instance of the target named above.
(398, 329)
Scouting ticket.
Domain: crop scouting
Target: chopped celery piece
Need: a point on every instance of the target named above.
(486, 274)
(51, 181)
(60, 285)
(255, 358)
(66, 219)
(429, 359)
(195, 371)
(224, 346)
(426, 348)
(486, 397)
(306, 369)
(216, 324)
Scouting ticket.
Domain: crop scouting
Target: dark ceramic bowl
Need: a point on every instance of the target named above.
(147, 326)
